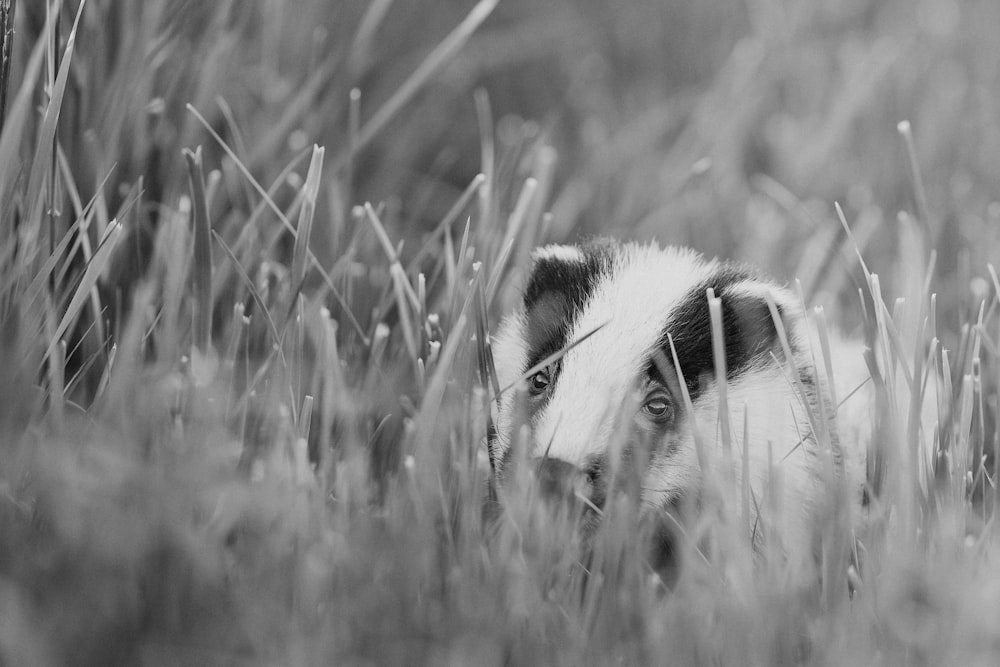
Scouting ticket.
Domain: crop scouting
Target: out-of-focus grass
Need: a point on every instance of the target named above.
(267, 444)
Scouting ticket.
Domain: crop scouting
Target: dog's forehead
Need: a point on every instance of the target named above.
(631, 307)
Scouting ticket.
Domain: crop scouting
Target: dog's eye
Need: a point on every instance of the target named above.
(658, 407)
(539, 382)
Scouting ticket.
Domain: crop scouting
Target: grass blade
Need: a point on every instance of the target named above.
(202, 267)
(41, 163)
(284, 221)
(8, 9)
(300, 255)
(361, 45)
(436, 59)
(919, 191)
(13, 133)
(93, 271)
(719, 355)
(254, 293)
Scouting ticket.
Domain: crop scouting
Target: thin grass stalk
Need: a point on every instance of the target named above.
(109, 366)
(233, 129)
(239, 324)
(487, 371)
(514, 224)
(87, 363)
(10, 140)
(426, 420)
(487, 159)
(460, 260)
(774, 508)
(353, 130)
(358, 53)
(423, 327)
(201, 273)
(11, 278)
(699, 441)
(403, 306)
(296, 341)
(544, 174)
(43, 276)
(850, 236)
(978, 434)
(947, 398)
(52, 195)
(300, 254)
(443, 227)
(42, 162)
(391, 253)
(450, 269)
(828, 405)
(834, 558)
(496, 274)
(380, 232)
(380, 342)
(719, 359)
(823, 329)
(407, 300)
(82, 238)
(919, 191)
(792, 368)
(95, 268)
(884, 347)
(57, 384)
(994, 507)
(249, 228)
(130, 355)
(255, 295)
(305, 417)
(436, 59)
(745, 475)
(334, 389)
(962, 447)
(172, 258)
(8, 10)
(341, 302)
(961, 355)
(53, 12)
(915, 409)
(293, 112)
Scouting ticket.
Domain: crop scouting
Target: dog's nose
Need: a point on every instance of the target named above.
(561, 481)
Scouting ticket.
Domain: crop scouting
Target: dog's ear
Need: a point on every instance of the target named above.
(561, 280)
(747, 318)
(749, 330)
(564, 270)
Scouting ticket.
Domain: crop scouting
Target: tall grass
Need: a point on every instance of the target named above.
(246, 395)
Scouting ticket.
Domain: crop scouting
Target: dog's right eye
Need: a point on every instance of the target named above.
(659, 408)
(539, 382)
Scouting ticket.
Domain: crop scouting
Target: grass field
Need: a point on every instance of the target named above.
(250, 251)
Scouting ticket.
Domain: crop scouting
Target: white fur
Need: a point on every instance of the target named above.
(565, 253)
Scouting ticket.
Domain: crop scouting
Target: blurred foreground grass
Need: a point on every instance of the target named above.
(241, 419)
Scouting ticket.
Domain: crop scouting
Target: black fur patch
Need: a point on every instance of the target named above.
(746, 322)
(557, 291)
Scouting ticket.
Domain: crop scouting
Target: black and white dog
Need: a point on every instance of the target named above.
(622, 313)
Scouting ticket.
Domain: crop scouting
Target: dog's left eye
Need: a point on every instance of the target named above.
(539, 382)
(658, 407)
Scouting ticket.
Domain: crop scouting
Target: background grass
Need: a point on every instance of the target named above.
(241, 410)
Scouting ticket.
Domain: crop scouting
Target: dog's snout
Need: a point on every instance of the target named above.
(562, 481)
